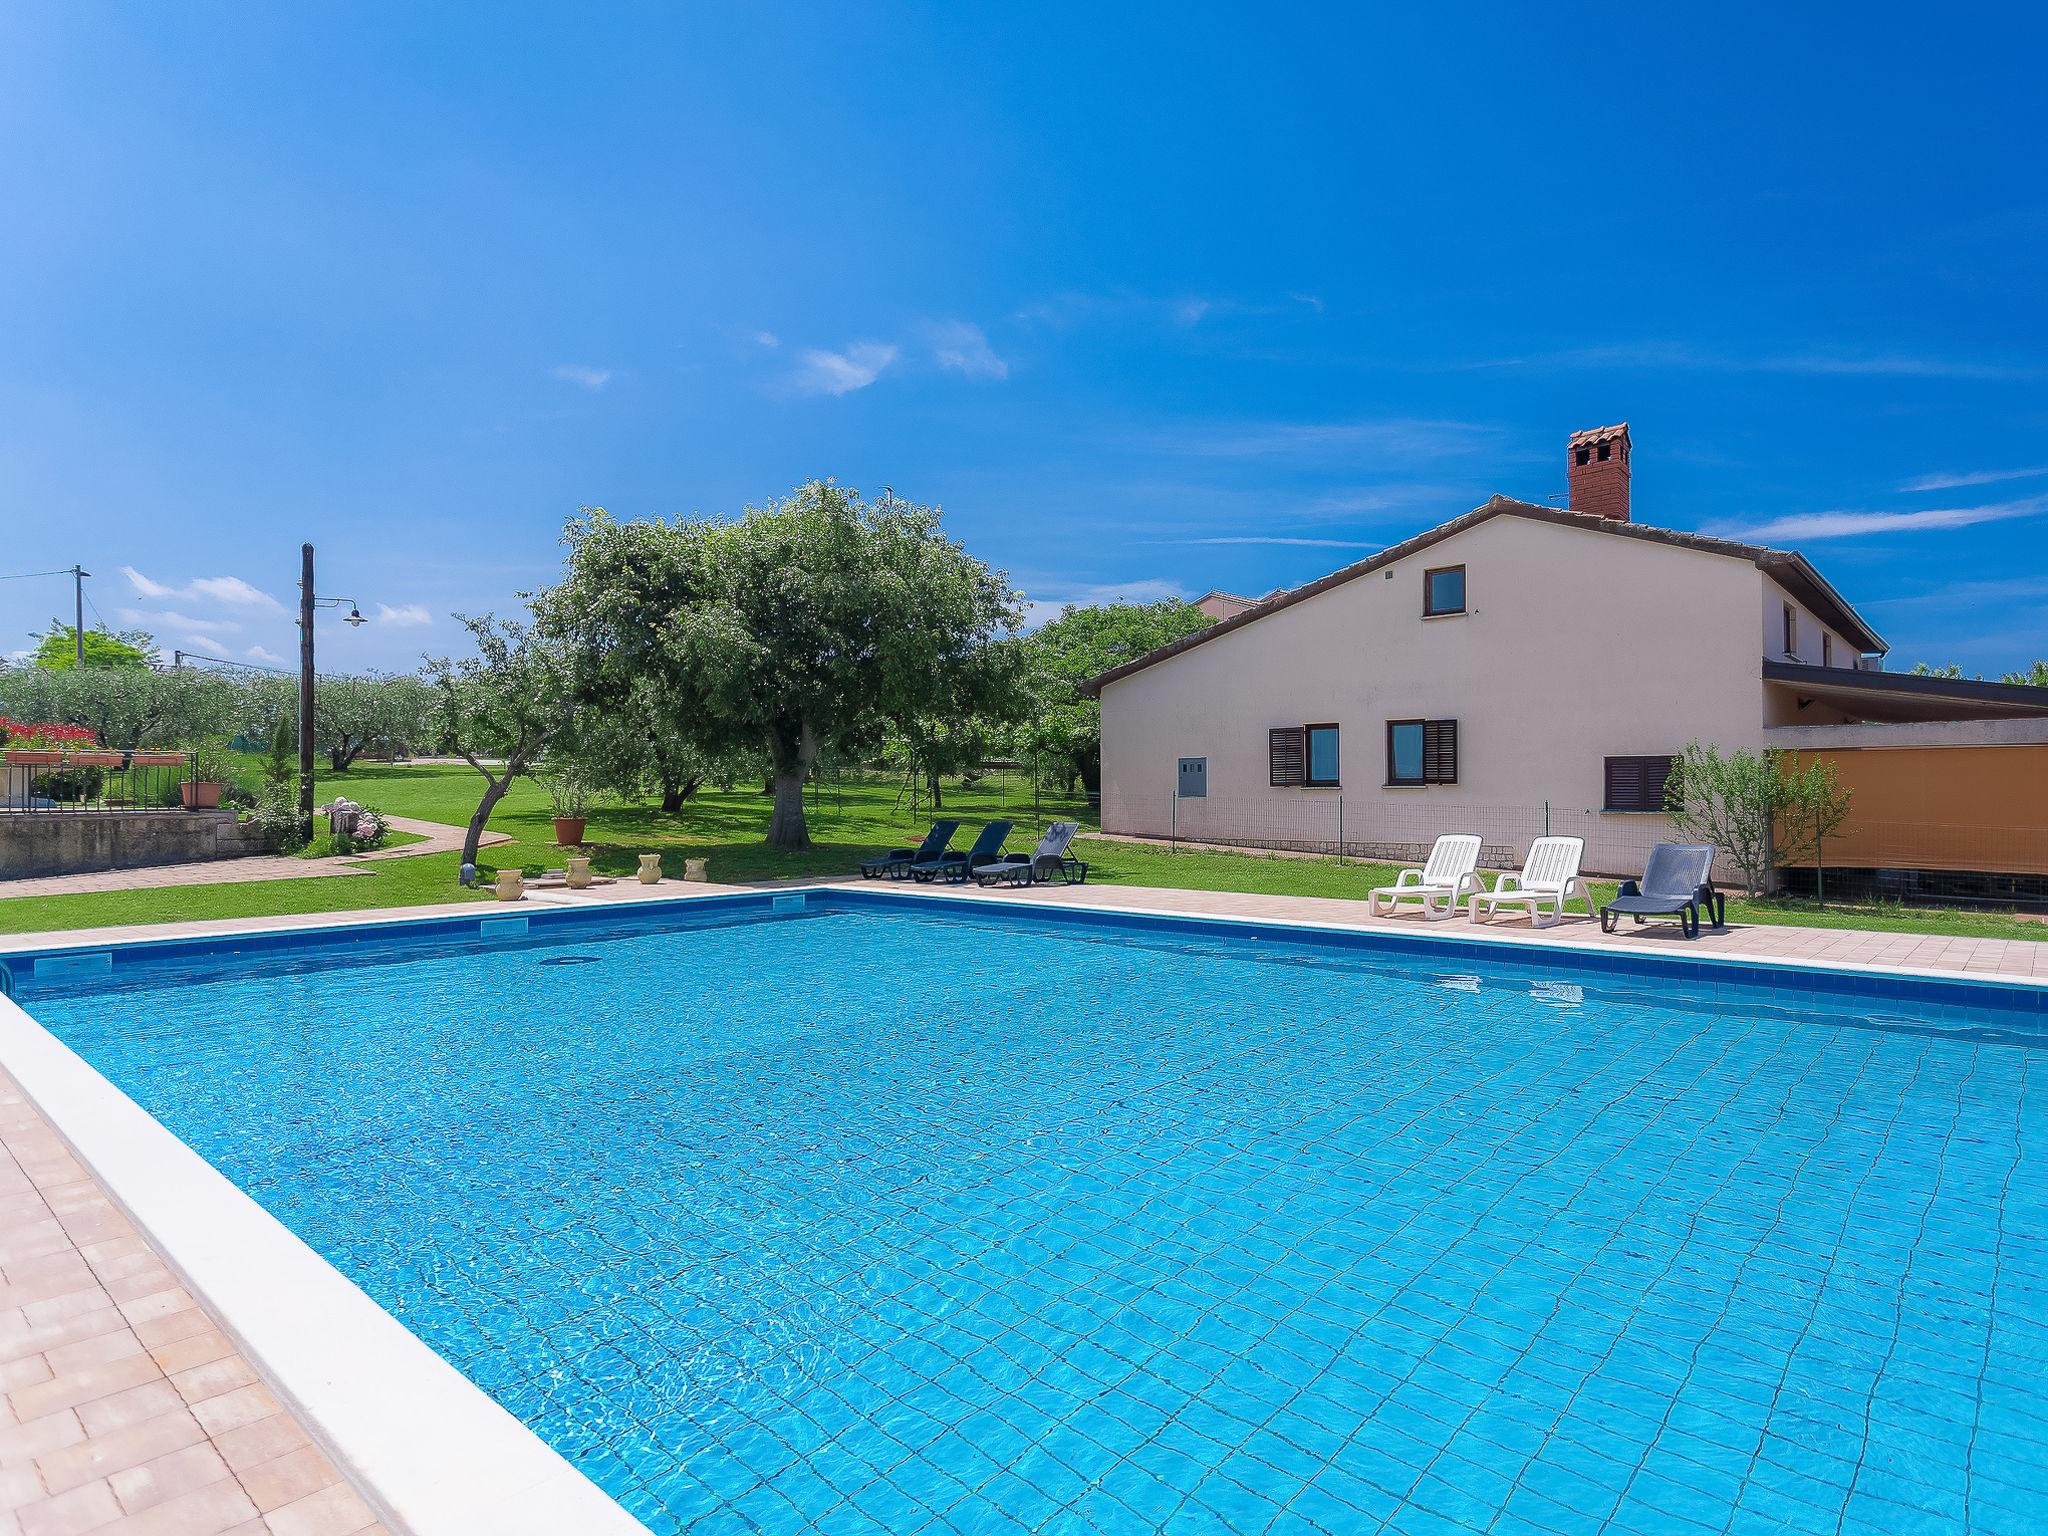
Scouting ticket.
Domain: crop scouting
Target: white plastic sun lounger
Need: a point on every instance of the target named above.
(1548, 879)
(1441, 885)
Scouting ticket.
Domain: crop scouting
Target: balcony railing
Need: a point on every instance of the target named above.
(51, 780)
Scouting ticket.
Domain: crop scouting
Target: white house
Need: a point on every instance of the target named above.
(1518, 669)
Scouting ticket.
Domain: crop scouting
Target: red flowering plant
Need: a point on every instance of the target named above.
(33, 733)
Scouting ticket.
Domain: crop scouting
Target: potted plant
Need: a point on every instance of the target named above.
(569, 793)
(201, 791)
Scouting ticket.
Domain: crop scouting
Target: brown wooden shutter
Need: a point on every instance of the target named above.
(1636, 783)
(1439, 751)
(1287, 755)
(1624, 791)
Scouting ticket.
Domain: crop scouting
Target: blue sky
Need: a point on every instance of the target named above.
(1149, 302)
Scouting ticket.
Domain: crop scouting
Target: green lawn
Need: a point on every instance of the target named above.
(847, 821)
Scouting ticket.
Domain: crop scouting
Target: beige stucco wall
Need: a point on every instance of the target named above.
(1575, 645)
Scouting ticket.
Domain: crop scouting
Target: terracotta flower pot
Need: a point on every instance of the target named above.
(33, 757)
(568, 830)
(97, 759)
(156, 760)
(200, 795)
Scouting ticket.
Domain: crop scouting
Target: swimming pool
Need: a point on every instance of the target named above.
(886, 1216)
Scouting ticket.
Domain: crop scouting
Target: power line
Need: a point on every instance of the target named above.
(181, 657)
(26, 575)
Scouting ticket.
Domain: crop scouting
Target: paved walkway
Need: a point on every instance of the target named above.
(439, 838)
(123, 1407)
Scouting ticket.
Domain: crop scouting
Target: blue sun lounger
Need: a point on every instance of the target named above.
(898, 862)
(1050, 858)
(1677, 882)
(988, 844)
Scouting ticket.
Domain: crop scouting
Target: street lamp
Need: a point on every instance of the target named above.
(308, 601)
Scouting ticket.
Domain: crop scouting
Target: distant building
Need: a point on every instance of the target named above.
(1224, 605)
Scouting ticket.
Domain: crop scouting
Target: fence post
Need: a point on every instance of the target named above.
(1173, 825)
(1340, 829)
(1546, 818)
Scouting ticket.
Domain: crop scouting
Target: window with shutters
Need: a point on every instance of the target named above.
(1422, 752)
(1636, 783)
(1287, 755)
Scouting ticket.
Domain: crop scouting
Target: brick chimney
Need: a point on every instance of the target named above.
(1596, 472)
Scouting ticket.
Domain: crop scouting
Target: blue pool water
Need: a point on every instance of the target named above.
(871, 1221)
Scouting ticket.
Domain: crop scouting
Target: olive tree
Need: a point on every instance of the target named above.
(794, 628)
(1731, 800)
(129, 707)
(1065, 731)
(501, 709)
(1815, 805)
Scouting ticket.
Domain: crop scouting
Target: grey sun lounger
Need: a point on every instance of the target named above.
(898, 862)
(1677, 882)
(1049, 859)
(988, 844)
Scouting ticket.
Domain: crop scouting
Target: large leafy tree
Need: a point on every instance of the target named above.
(802, 626)
(501, 709)
(1066, 727)
(57, 649)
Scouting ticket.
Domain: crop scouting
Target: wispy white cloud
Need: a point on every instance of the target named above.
(230, 591)
(405, 616)
(170, 618)
(1972, 477)
(1398, 439)
(961, 347)
(1843, 525)
(198, 642)
(841, 373)
(1679, 355)
(1188, 312)
(1279, 539)
(767, 339)
(260, 653)
(1043, 610)
(1969, 595)
(1308, 299)
(583, 376)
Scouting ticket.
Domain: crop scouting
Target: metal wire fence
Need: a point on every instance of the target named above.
(1923, 862)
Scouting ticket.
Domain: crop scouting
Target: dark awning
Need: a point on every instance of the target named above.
(1906, 695)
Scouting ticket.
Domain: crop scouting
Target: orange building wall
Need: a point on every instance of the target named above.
(1942, 808)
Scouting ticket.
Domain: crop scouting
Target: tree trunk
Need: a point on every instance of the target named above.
(671, 798)
(790, 760)
(489, 803)
(786, 827)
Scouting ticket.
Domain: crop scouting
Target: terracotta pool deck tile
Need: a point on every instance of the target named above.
(22, 1443)
(249, 1446)
(104, 1455)
(288, 1478)
(85, 1508)
(201, 1383)
(200, 1512)
(200, 1349)
(169, 1476)
(114, 1381)
(231, 1410)
(337, 1510)
(130, 1407)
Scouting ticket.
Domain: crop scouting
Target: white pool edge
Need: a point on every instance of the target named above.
(429, 1450)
